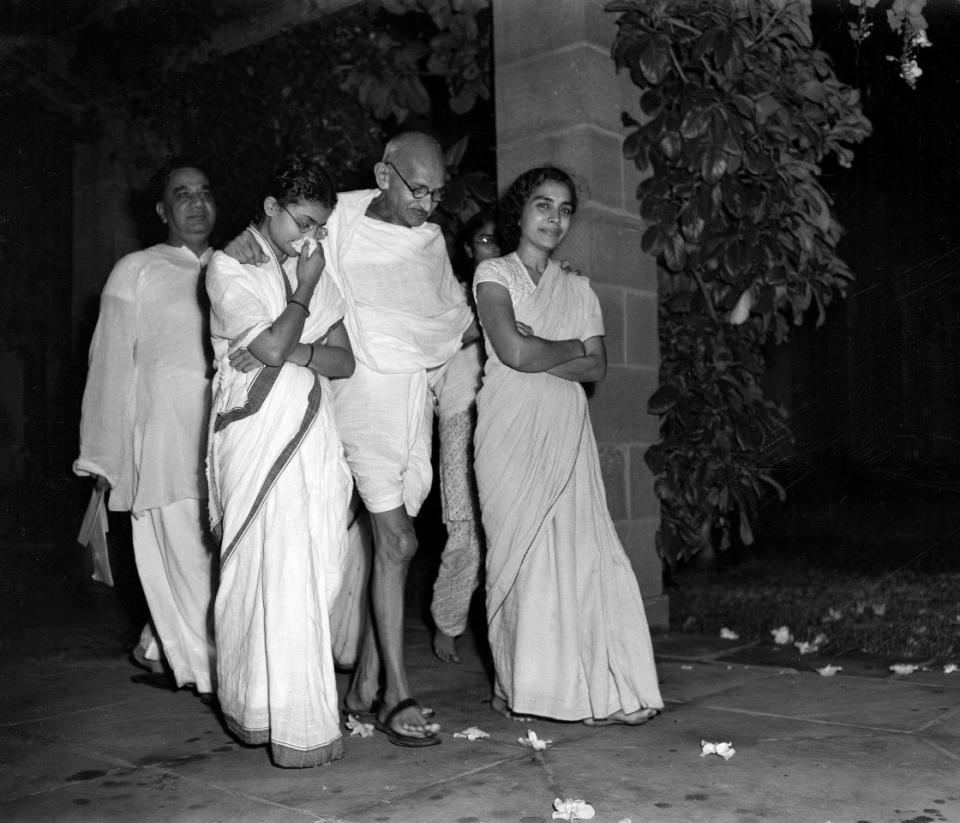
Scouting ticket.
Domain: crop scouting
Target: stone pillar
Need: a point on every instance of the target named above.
(558, 100)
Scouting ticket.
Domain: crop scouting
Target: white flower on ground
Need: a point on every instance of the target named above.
(728, 634)
(829, 671)
(950, 668)
(533, 741)
(832, 615)
(879, 609)
(904, 668)
(724, 750)
(782, 635)
(473, 733)
(358, 728)
(570, 809)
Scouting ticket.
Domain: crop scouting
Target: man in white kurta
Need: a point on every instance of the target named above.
(406, 314)
(144, 419)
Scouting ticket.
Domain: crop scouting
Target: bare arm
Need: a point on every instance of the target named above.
(527, 353)
(274, 345)
(591, 368)
(331, 355)
(471, 334)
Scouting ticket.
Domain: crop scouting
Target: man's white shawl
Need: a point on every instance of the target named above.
(405, 309)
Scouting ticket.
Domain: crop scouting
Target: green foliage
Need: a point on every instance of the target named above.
(331, 89)
(446, 39)
(738, 111)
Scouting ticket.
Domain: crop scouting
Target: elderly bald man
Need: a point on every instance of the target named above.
(406, 315)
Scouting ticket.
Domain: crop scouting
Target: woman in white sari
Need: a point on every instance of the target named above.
(279, 484)
(567, 628)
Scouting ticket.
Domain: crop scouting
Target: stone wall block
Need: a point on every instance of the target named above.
(607, 245)
(618, 406)
(558, 90)
(614, 470)
(639, 542)
(612, 305)
(643, 502)
(641, 334)
(563, 22)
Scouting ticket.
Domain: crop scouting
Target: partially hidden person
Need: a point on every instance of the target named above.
(455, 388)
(144, 421)
(279, 483)
(567, 628)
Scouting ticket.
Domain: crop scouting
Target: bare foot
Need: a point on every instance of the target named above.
(498, 704)
(637, 718)
(359, 700)
(445, 647)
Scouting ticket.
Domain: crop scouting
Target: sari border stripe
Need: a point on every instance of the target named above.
(309, 416)
(256, 396)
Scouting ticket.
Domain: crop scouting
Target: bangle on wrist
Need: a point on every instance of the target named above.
(584, 347)
(303, 306)
(309, 356)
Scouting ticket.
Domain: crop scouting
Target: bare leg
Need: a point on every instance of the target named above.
(394, 544)
(365, 684)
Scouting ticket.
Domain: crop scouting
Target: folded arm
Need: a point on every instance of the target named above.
(591, 368)
(527, 353)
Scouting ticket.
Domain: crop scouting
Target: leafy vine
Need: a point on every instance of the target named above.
(738, 111)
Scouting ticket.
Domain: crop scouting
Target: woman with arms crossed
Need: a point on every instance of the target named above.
(568, 632)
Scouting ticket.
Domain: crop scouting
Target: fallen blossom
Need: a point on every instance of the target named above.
(904, 668)
(571, 809)
(782, 636)
(687, 668)
(829, 671)
(950, 668)
(879, 609)
(358, 728)
(724, 750)
(832, 616)
(811, 646)
(533, 741)
(473, 733)
(728, 634)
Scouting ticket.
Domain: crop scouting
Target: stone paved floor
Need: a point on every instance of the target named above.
(80, 742)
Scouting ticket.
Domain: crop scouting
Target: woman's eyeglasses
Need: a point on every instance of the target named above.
(308, 226)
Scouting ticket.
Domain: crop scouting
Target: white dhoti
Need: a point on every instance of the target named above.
(174, 558)
(385, 422)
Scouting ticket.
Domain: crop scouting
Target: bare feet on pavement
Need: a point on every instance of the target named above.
(445, 647)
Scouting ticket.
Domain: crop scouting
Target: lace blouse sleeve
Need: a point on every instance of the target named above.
(491, 271)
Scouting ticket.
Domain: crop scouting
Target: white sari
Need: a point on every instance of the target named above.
(279, 491)
(567, 628)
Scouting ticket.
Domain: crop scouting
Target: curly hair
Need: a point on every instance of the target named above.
(299, 179)
(516, 197)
